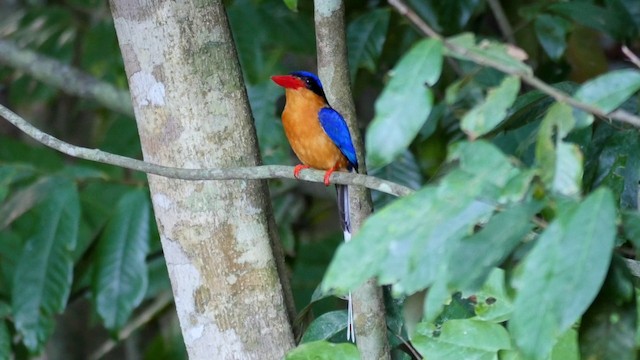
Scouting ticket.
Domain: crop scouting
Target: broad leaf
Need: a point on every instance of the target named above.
(477, 255)
(326, 326)
(487, 115)
(25, 199)
(404, 170)
(415, 235)
(322, 350)
(552, 34)
(570, 257)
(120, 276)
(609, 91)
(462, 339)
(42, 279)
(405, 103)
(365, 37)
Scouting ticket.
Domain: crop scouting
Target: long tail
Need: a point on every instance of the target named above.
(345, 221)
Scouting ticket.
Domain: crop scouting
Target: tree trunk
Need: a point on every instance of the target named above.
(333, 69)
(192, 111)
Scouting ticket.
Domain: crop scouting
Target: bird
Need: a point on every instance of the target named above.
(320, 138)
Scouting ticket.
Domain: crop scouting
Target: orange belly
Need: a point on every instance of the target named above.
(306, 136)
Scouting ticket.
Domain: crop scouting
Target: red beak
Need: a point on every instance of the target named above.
(288, 81)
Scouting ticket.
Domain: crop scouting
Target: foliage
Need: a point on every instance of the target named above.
(524, 206)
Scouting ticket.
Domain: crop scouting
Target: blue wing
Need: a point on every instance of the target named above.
(336, 128)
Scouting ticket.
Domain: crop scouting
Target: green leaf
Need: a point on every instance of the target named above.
(120, 276)
(11, 244)
(593, 16)
(274, 147)
(631, 226)
(405, 103)
(5, 341)
(567, 347)
(495, 242)
(415, 235)
(42, 279)
(487, 115)
(608, 329)
(563, 273)
(462, 339)
(609, 91)
(560, 162)
(404, 170)
(552, 34)
(322, 350)
(494, 51)
(292, 5)
(326, 326)
(25, 199)
(446, 16)
(365, 37)
(493, 302)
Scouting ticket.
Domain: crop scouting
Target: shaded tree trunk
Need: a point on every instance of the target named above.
(191, 109)
(333, 69)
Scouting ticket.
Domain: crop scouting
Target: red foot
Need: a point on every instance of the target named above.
(327, 175)
(298, 168)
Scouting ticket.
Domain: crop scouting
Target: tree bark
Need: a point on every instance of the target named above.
(192, 111)
(333, 69)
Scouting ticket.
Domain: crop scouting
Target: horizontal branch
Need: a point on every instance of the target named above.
(241, 173)
(64, 77)
(619, 115)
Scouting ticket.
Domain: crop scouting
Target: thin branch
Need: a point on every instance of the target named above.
(502, 20)
(65, 77)
(241, 173)
(530, 79)
(155, 308)
(631, 56)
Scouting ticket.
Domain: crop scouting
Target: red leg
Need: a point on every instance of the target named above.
(298, 168)
(327, 175)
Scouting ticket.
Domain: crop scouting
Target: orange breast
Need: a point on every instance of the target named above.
(306, 136)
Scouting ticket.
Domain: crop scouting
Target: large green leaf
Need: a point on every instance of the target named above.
(405, 103)
(326, 326)
(563, 273)
(42, 279)
(404, 170)
(477, 255)
(322, 350)
(488, 114)
(25, 199)
(414, 235)
(609, 91)
(462, 339)
(552, 34)
(365, 37)
(120, 276)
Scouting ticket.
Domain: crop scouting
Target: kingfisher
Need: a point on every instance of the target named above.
(320, 138)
